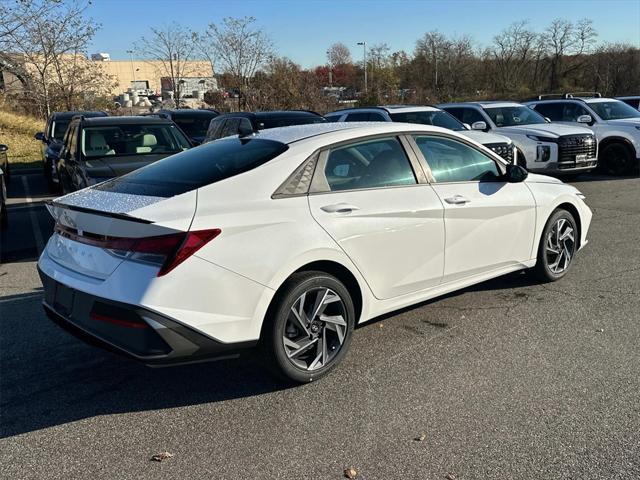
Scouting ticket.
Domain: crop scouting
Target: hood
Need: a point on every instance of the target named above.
(116, 166)
(537, 178)
(485, 138)
(626, 122)
(544, 130)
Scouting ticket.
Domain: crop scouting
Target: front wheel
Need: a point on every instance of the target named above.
(309, 329)
(558, 246)
(616, 159)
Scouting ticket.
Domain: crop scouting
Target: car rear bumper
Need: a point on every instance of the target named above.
(134, 331)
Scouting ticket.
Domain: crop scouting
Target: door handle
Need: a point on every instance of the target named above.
(339, 208)
(457, 200)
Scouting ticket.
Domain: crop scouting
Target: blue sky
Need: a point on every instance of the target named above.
(303, 30)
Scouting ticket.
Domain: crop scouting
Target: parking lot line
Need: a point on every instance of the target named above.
(37, 234)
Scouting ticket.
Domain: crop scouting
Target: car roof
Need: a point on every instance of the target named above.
(486, 103)
(301, 132)
(87, 113)
(125, 120)
(388, 109)
(188, 112)
(629, 97)
(273, 113)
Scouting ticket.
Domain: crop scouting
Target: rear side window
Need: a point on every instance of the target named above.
(551, 110)
(195, 168)
(372, 164)
(332, 118)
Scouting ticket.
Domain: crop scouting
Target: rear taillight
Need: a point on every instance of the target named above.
(168, 251)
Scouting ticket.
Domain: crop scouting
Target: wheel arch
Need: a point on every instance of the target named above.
(332, 267)
(605, 142)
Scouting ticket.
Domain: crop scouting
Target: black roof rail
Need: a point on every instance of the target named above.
(583, 94)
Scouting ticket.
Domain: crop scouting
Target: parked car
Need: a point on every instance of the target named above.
(4, 219)
(231, 123)
(290, 237)
(615, 124)
(426, 115)
(542, 146)
(632, 100)
(193, 122)
(4, 163)
(98, 148)
(51, 142)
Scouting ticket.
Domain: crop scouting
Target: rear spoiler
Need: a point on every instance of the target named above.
(120, 216)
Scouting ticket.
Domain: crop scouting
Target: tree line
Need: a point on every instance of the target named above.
(518, 63)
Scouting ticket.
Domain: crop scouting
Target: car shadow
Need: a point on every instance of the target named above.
(51, 378)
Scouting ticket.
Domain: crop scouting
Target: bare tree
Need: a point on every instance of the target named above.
(240, 47)
(512, 50)
(339, 54)
(46, 42)
(172, 46)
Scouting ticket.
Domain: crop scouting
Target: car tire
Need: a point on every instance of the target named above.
(557, 246)
(616, 159)
(303, 347)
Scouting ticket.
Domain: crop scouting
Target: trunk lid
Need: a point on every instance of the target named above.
(98, 214)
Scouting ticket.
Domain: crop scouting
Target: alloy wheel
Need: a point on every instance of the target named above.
(560, 246)
(315, 329)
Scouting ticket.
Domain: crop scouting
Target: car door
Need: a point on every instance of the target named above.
(489, 223)
(372, 198)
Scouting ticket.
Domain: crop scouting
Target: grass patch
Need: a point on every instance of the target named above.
(17, 131)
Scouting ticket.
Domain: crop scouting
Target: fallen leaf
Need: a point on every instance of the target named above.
(450, 476)
(420, 438)
(161, 456)
(381, 325)
(350, 473)
(600, 330)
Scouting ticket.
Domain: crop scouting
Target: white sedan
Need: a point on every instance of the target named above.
(288, 238)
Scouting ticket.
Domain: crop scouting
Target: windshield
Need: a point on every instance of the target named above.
(514, 116)
(58, 129)
(197, 167)
(134, 139)
(614, 110)
(194, 127)
(426, 117)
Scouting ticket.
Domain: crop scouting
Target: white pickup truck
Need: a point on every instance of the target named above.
(615, 124)
(543, 147)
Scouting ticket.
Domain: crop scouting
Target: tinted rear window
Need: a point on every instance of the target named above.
(197, 167)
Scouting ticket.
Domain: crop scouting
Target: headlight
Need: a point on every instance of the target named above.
(538, 138)
(544, 153)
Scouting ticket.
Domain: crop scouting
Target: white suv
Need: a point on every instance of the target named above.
(427, 115)
(615, 124)
(542, 147)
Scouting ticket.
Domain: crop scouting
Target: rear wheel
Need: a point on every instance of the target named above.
(310, 326)
(557, 246)
(616, 159)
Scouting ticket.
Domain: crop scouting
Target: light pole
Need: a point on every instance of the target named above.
(330, 68)
(364, 50)
(133, 74)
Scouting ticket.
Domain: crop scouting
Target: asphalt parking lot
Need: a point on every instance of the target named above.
(505, 380)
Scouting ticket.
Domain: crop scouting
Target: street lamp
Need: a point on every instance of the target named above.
(330, 68)
(364, 50)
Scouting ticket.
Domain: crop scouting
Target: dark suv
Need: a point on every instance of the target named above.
(229, 124)
(51, 139)
(193, 122)
(96, 149)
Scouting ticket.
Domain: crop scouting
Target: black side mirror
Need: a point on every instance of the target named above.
(39, 136)
(3, 148)
(515, 173)
(245, 129)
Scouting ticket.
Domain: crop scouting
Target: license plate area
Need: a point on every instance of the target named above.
(582, 158)
(63, 300)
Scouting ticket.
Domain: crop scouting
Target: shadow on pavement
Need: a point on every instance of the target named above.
(51, 378)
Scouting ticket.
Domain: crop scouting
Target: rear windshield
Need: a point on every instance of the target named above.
(429, 117)
(196, 126)
(273, 122)
(197, 167)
